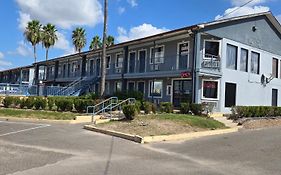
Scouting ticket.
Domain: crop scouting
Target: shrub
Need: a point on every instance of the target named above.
(254, 111)
(184, 108)
(40, 103)
(51, 103)
(64, 104)
(30, 102)
(196, 108)
(153, 108)
(147, 107)
(16, 101)
(138, 105)
(166, 107)
(8, 101)
(80, 105)
(22, 103)
(129, 111)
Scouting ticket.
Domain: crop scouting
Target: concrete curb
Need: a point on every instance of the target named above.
(134, 138)
(174, 137)
(187, 136)
(43, 120)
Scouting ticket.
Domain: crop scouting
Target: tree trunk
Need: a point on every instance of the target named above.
(34, 52)
(47, 53)
(103, 63)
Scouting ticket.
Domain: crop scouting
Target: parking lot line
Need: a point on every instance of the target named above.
(23, 130)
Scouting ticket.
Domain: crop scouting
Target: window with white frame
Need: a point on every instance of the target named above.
(231, 58)
(275, 67)
(212, 49)
(156, 88)
(169, 90)
(244, 60)
(119, 61)
(210, 89)
(118, 86)
(255, 63)
(108, 60)
(157, 55)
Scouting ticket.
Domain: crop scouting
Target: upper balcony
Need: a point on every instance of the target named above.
(212, 62)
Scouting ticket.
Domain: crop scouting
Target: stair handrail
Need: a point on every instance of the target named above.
(130, 100)
(111, 99)
(72, 84)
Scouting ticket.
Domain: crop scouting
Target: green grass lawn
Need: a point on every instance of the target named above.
(163, 124)
(25, 113)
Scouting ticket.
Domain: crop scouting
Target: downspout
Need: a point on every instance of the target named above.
(194, 78)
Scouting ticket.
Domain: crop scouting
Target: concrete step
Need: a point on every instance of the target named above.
(228, 123)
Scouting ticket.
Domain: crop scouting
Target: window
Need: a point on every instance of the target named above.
(155, 88)
(169, 90)
(157, 55)
(231, 59)
(131, 86)
(275, 68)
(183, 51)
(119, 61)
(230, 94)
(255, 63)
(107, 86)
(244, 60)
(132, 62)
(108, 62)
(274, 99)
(212, 49)
(118, 86)
(210, 89)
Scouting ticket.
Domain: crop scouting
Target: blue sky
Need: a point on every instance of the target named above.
(128, 19)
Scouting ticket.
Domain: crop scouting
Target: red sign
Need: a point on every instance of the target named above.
(185, 75)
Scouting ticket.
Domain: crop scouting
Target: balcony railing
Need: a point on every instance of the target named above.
(211, 62)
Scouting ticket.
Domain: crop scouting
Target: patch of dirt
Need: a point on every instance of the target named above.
(261, 123)
(150, 127)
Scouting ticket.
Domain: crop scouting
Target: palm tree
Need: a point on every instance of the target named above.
(109, 41)
(79, 38)
(96, 43)
(49, 37)
(103, 63)
(32, 34)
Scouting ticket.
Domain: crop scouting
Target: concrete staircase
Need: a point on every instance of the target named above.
(223, 119)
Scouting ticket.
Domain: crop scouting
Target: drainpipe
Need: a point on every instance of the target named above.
(194, 78)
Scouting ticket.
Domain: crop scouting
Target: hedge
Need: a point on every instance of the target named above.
(130, 111)
(254, 111)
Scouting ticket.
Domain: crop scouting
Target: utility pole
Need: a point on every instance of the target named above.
(103, 60)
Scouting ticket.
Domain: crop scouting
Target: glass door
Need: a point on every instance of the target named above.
(182, 92)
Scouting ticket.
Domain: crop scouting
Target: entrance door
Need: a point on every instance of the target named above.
(141, 87)
(182, 92)
(98, 67)
(230, 94)
(132, 59)
(91, 67)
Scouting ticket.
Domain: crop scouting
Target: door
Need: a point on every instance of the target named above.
(230, 95)
(182, 92)
(142, 55)
(274, 99)
(141, 87)
(183, 56)
(98, 67)
(132, 61)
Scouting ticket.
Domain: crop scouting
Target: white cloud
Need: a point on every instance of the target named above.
(23, 20)
(121, 10)
(133, 3)
(63, 13)
(1, 55)
(3, 63)
(242, 2)
(22, 50)
(141, 31)
(243, 11)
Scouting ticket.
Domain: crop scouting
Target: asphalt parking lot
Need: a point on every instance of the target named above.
(48, 148)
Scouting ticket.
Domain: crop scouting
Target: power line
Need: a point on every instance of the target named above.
(235, 9)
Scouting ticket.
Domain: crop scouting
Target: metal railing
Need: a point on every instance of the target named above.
(101, 107)
(211, 62)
